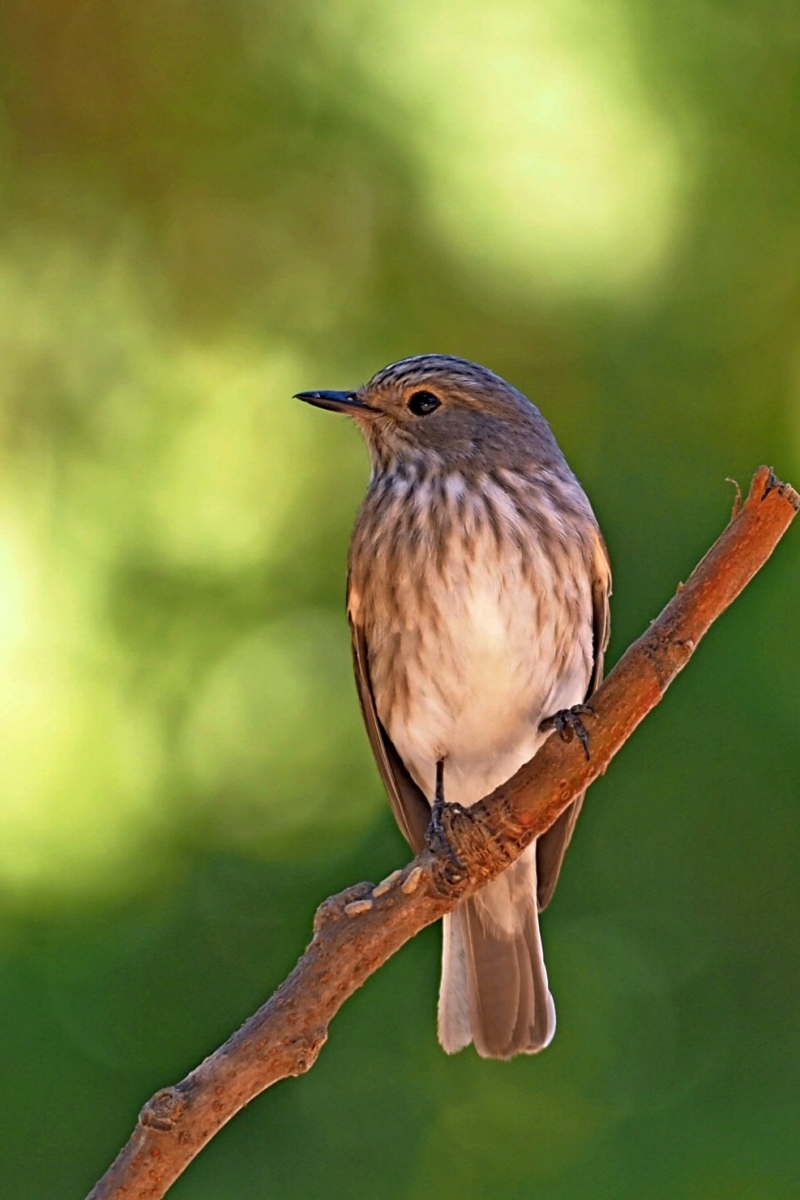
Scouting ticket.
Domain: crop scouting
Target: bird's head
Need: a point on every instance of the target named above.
(445, 413)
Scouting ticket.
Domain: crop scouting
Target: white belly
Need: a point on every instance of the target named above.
(481, 677)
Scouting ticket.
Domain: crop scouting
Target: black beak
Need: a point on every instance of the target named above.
(335, 401)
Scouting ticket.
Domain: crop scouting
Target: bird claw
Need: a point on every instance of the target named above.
(437, 836)
(442, 822)
(568, 724)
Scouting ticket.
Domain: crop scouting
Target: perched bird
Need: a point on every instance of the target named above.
(477, 596)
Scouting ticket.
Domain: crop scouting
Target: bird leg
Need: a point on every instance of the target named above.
(568, 723)
(438, 834)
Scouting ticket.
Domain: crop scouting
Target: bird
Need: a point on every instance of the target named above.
(478, 600)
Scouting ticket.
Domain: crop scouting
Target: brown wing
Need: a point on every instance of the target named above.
(411, 810)
(552, 846)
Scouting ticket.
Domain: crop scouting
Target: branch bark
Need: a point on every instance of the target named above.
(356, 931)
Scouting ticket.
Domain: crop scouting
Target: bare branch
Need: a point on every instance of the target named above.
(356, 931)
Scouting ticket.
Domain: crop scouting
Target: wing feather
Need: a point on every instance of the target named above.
(411, 810)
(552, 846)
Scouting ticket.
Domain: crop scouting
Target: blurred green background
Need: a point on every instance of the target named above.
(205, 207)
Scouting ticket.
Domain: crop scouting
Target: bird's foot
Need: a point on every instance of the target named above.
(438, 836)
(568, 724)
(444, 817)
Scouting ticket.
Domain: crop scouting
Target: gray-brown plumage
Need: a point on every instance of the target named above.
(478, 601)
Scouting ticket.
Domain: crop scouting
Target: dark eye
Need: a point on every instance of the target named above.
(422, 403)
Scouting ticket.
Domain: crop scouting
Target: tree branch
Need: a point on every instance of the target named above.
(356, 931)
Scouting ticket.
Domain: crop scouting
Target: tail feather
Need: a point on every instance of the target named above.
(494, 983)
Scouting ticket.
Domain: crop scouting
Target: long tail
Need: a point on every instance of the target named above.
(494, 983)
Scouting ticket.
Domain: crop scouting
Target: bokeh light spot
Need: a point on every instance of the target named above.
(543, 160)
